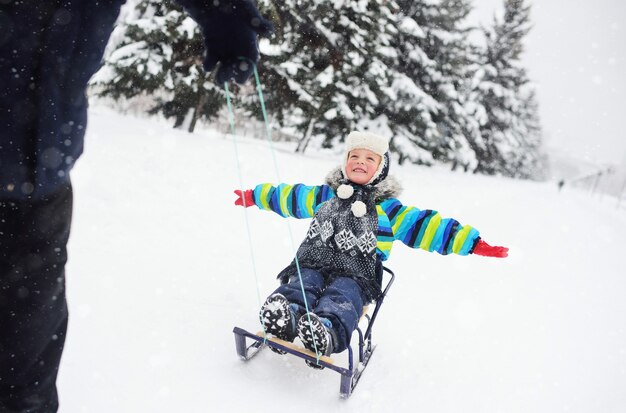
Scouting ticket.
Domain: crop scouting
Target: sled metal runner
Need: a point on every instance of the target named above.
(349, 376)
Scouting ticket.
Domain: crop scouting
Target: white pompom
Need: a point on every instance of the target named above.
(358, 209)
(345, 191)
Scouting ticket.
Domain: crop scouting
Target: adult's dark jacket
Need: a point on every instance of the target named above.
(49, 49)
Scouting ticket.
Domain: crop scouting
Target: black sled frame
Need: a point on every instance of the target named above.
(349, 376)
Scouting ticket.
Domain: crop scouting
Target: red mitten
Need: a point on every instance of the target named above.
(484, 249)
(246, 200)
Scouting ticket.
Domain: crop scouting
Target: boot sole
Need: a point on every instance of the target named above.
(275, 318)
(319, 338)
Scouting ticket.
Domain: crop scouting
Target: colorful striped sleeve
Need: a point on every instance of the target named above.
(425, 229)
(384, 236)
(298, 201)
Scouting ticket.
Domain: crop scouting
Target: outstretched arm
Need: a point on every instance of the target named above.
(298, 201)
(427, 230)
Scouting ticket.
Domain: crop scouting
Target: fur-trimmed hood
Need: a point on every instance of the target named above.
(387, 188)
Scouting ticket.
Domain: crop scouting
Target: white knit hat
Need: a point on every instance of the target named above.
(366, 140)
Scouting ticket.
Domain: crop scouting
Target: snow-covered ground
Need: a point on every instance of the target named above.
(160, 272)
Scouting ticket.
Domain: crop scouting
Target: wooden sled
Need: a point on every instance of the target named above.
(349, 376)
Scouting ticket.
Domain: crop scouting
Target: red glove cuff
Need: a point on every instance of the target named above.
(248, 197)
(486, 250)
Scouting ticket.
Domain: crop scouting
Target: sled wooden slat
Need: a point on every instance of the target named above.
(295, 347)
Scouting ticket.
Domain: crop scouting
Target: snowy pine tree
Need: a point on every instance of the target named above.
(411, 108)
(511, 131)
(456, 57)
(432, 73)
(160, 54)
(531, 162)
(326, 69)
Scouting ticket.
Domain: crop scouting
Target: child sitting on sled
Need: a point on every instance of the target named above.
(356, 218)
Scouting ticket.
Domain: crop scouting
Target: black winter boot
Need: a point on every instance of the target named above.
(278, 319)
(322, 338)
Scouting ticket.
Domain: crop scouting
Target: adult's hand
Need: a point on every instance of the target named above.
(230, 29)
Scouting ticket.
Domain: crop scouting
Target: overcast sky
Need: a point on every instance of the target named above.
(576, 56)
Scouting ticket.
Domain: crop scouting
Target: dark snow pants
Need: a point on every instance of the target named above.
(341, 302)
(33, 310)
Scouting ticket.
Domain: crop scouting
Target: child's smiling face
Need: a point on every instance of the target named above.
(361, 165)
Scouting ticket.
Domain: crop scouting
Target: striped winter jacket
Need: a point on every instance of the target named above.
(424, 229)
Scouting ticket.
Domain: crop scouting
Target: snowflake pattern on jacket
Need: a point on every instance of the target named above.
(339, 244)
